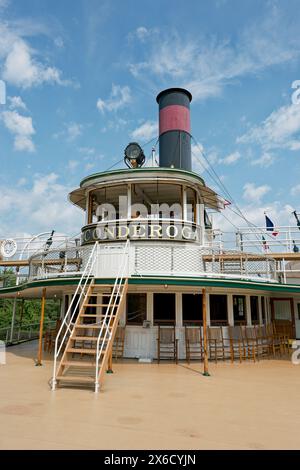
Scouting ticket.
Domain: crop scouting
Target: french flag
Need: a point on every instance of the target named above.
(270, 226)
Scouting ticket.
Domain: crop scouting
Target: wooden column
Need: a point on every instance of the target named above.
(110, 362)
(205, 349)
(39, 358)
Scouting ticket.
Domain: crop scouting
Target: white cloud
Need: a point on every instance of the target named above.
(142, 33)
(295, 190)
(22, 129)
(23, 70)
(266, 160)
(146, 131)
(72, 164)
(255, 193)
(281, 129)
(59, 42)
(22, 65)
(87, 150)
(89, 166)
(16, 102)
(72, 131)
(119, 97)
(254, 213)
(205, 65)
(231, 158)
(200, 162)
(41, 206)
(4, 3)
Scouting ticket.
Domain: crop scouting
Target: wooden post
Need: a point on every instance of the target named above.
(39, 359)
(109, 363)
(205, 349)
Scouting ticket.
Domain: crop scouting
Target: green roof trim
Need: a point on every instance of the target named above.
(137, 170)
(161, 280)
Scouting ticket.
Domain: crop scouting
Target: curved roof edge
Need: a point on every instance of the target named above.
(143, 169)
(161, 280)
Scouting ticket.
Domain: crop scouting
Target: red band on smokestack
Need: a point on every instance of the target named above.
(174, 118)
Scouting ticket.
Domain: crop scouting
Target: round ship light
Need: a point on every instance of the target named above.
(134, 155)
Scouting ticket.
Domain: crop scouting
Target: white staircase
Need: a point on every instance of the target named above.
(83, 346)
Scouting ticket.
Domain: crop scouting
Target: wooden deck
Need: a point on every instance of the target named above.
(150, 406)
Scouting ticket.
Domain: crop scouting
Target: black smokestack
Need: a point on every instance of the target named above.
(175, 128)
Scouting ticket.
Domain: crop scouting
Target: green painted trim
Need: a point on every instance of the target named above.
(174, 281)
(226, 283)
(137, 170)
(45, 283)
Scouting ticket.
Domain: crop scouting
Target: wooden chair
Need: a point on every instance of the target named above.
(276, 340)
(193, 343)
(50, 337)
(264, 340)
(167, 344)
(216, 343)
(237, 343)
(118, 346)
(250, 338)
(282, 334)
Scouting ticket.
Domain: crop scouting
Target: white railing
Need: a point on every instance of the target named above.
(286, 240)
(28, 246)
(56, 263)
(197, 261)
(80, 295)
(103, 339)
(23, 332)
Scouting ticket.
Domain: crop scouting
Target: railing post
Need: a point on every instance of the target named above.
(13, 320)
(284, 271)
(205, 348)
(39, 359)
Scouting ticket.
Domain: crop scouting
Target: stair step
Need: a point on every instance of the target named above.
(99, 305)
(82, 350)
(75, 378)
(78, 364)
(82, 315)
(82, 325)
(84, 338)
(87, 315)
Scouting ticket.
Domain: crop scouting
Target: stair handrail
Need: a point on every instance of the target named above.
(85, 278)
(114, 295)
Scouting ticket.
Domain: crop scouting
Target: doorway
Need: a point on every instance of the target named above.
(283, 315)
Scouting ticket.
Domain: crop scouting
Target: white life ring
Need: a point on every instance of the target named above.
(8, 248)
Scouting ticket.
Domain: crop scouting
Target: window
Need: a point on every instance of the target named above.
(104, 204)
(218, 309)
(192, 309)
(136, 309)
(164, 309)
(191, 204)
(239, 309)
(254, 309)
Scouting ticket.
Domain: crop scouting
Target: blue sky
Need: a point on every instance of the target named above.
(82, 77)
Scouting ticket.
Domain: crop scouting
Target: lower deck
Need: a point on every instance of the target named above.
(151, 406)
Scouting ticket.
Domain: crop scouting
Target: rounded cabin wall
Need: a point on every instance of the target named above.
(144, 211)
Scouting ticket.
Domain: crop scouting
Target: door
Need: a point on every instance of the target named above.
(283, 315)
